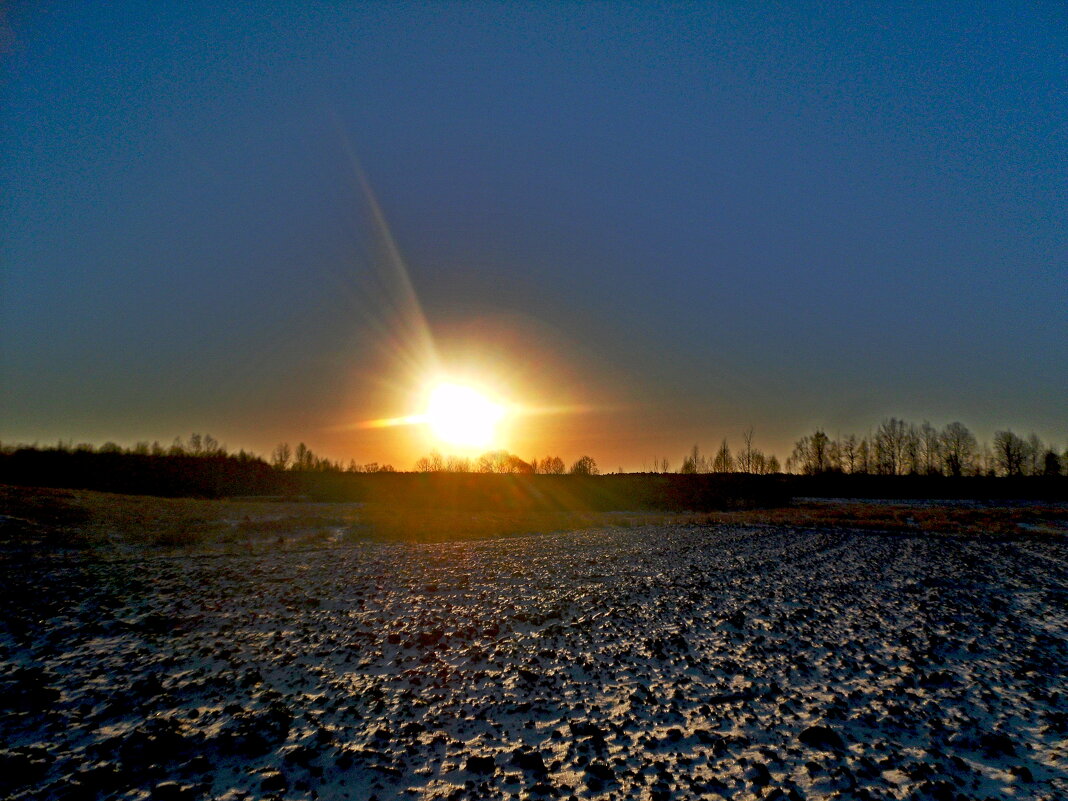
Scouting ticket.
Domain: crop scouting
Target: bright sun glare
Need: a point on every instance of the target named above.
(462, 416)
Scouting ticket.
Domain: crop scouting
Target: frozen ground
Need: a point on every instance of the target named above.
(733, 662)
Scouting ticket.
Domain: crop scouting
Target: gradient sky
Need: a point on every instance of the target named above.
(666, 223)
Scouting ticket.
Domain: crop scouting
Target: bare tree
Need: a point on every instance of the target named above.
(847, 454)
(891, 441)
(585, 466)
(1009, 453)
(864, 456)
(911, 461)
(695, 462)
(437, 462)
(502, 462)
(281, 456)
(1033, 455)
(303, 458)
(723, 462)
(930, 449)
(552, 466)
(958, 448)
(985, 462)
(834, 455)
(458, 464)
(811, 454)
(744, 461)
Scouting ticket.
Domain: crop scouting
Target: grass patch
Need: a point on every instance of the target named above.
(1000, 521)
(381, 522)
(49, 519)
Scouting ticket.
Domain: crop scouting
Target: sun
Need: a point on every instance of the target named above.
(461, 416)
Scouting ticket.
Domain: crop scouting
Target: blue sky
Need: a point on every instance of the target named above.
(681, 219)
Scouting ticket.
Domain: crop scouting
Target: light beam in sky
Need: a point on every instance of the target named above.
(456, 407)
(400, 320)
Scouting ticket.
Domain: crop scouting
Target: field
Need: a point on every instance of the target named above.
(205, 649)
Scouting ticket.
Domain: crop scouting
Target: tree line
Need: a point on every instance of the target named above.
(303, 459)
(503, 462)
(198, 467)
(197, 445)
(897, 447)
(750, 460)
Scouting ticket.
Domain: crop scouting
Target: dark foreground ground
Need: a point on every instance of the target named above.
(664, 662)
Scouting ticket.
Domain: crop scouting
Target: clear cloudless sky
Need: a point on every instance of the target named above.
(661, 223)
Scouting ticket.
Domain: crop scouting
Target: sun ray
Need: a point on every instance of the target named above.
(393, 309)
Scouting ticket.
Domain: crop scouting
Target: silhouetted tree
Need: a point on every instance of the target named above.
(695, 462)
(521, 466)
(1009, 452)
(745, 459)
(847, 454)
(930, 449)
(281, 456)
(551, 466)
(1033, 455)
(1051, 463)
(502, 462)
(723, 463)
(753, 460)
(303, 458)
(958, 448)
(985, 462)
(864, 456)
(458, 464)
(585, 466)
(890, 443)
(811, 454)
(912, 463)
